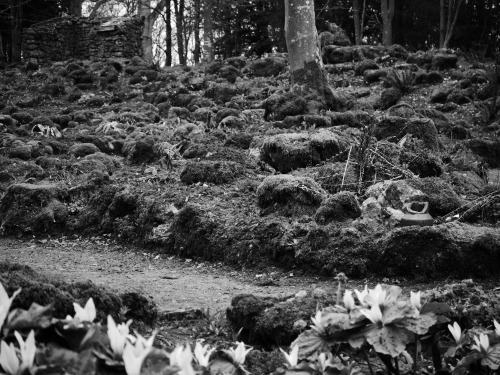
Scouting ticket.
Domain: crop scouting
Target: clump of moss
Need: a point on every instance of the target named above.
(216, 172)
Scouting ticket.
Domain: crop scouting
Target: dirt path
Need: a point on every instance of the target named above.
(175, 284)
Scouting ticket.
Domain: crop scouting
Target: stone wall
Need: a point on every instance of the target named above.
(82, 38)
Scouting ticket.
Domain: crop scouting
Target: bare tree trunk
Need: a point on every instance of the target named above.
(197, 41)
(306, 67)
(16, 13)
(168, 52)
(442, 23)
(387, 13)
(358, 32)
(452, 20)
(179, 14)
(150, 16)
(208, 31)
(75, 8)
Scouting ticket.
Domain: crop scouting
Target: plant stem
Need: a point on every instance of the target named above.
(368, 362)
(397, 365)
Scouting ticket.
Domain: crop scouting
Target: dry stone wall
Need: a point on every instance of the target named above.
(83, 38)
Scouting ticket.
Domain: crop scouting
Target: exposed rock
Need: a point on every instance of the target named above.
(289, 195)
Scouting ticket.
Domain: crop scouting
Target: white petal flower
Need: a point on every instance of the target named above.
(374, 314)
(5, 303)
(134, 356)
(8, 359)
(86, 314)
(325, 361)
(482, 343)
(182, 358)
(117, 336)
(202, 354)
(239, 354)
(376, 296)
(456, 331)
(497, 327)
(27, 349)
(318, 325)
(415, 300)
(349, 301)
(293, 357)
(362, 295)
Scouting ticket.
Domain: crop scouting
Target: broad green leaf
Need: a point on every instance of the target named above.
(35, 317)
(435, 307)
(389, 340)
(310, 342)
(222, 367)
(421, 324)
(395, 313)
(493, 358)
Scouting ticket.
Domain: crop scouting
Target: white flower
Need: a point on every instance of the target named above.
(27, 349)
(361, 295)
(8, 358)
(456, 331)
(497, 327)
(482, 343)
(117, 336)
(415, 300)
(182, 357)
(86, 314)
(349, 301)
(376, 296)
(318, 326)
(202, 354)
(325, 361)
(5, 303)
(239, 354)
(374, 314)
(293, 357)
(134, 356)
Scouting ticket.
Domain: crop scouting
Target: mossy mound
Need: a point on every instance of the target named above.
(339, 207)
(45, 290)
(289, 195)
(215, 172)
(442, 197)
(27, 208)
(459, 250)
(286, 152)
(394, 128)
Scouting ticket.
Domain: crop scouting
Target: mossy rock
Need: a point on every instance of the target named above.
(339, 207)
(394, 128)
(216, 172)
(193, 234)
(286, 152)
(222, 92)
(289, 195)
(27, 208)
(442, 197)
(83, 149)
(139, 148)
(455, 249)
(268, 67)
(353, 119)
(487, 149)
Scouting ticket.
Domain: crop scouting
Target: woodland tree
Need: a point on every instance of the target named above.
(447, 20)
(387, 14)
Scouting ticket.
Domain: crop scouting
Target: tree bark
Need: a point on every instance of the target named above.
(149, 15)
(452, 20)
(16, 14)
(168, 52)
(442, 23)
(179, 29)
(358, 32)
(306, 67)
(387, 13)
(208, 31)
(197, 41)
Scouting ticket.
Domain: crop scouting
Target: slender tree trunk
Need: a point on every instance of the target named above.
(16, 13)
(306, 68)
(387, 13)
(452, 20)
(2, 54)
(149, 16)
(197, 22)
(358, 32)
(442, 23)
(179, 14)
(168, 52)
(75, 8)
(208, 31)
